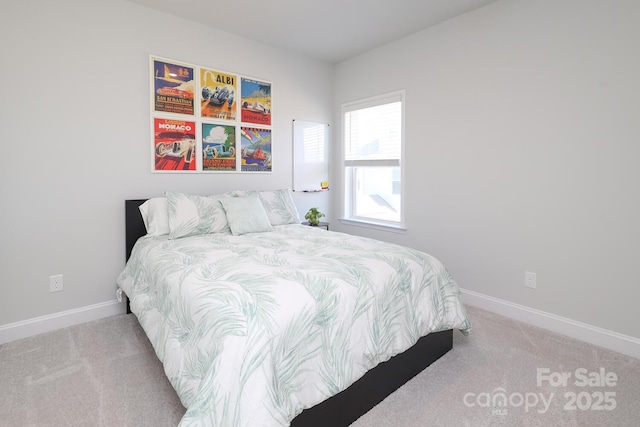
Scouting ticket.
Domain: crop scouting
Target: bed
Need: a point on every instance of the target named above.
(275, 361)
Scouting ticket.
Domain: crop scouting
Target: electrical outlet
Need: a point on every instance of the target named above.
(55, 283)
(530, 280)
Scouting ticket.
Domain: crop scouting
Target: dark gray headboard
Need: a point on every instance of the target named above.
(134, 226)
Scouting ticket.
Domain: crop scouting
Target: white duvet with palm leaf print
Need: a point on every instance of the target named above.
(253, 329)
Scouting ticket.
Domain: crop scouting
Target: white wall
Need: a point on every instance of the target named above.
(74, 126)
(523, 142)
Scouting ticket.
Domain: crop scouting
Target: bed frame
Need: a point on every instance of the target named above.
(347, 406)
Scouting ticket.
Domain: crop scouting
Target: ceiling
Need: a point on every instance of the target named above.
(329, 30)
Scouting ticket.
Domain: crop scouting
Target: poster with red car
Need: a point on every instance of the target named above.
(255, 102)
(256, 149)
(174, 145)
(173, 87)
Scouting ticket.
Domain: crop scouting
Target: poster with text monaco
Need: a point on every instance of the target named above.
(218, 147)
(173, 87)
(255, 102)
(174, 145)
(218, 95)
(256, 149)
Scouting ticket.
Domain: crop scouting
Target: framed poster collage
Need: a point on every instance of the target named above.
(206, 120)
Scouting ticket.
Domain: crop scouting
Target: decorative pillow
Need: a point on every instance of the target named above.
(246, 215)
(280, 207)
(278, 204)
(190, 215)
(155, 216)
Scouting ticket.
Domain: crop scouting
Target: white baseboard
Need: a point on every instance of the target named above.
(39, 325)
(593, 335)
(598, 336)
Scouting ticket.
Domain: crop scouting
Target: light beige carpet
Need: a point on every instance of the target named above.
(105, 373)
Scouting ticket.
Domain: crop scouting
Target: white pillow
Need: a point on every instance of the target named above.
(280, 207)
(278, 204)
(190, 215)
(155, 216)
(246, 215)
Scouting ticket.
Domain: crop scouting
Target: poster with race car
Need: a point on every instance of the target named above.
(256, 149)
(218, 147)
(174, 145)
(218, 94)
(255, 101)
(173, 87)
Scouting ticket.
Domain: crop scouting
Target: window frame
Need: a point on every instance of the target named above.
(349, 167)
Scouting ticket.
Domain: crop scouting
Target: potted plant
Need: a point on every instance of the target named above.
(313, 216)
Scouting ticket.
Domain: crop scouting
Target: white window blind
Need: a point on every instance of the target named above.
(374, 133)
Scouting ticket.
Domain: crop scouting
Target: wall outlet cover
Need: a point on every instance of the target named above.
(530, 280)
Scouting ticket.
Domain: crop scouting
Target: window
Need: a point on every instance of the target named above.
(373, 138)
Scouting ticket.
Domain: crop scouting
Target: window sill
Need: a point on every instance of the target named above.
(399, 228)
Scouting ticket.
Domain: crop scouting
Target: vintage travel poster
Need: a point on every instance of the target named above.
(173, 88)
(174, 145)
(255, 102)
(218, 147)
(256, 149)
(218, 94)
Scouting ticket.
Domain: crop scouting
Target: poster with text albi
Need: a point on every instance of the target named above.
(218, 94)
